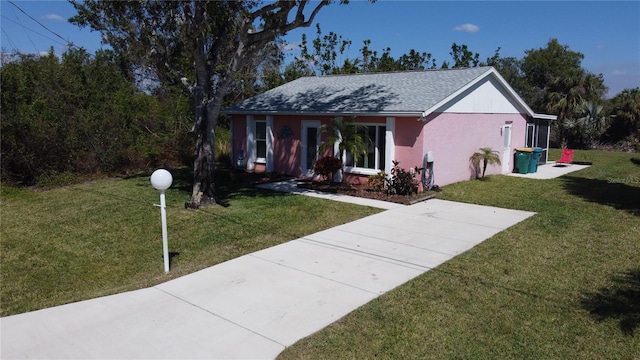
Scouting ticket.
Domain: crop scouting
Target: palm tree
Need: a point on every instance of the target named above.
(566, 96)
(349, 136)
(487, 156)
(625, 120)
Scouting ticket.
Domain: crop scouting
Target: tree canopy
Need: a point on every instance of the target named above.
(204, 45)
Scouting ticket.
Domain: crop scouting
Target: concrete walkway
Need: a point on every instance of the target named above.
(257, 305)
(551, 171)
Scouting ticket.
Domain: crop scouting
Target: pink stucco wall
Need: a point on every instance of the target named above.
(239, 136)
(409, 142)
(452, 137)
(455, 137)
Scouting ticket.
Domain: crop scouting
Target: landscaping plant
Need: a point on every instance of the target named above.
(376, 182)
(402, 182)
(327, 167)
(349, 136)
(487, 156)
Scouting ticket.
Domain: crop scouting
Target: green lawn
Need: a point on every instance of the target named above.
(100, 238)
(564, 284)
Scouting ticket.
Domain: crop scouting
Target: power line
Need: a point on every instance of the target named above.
(39, 23)
(35, 48)
(8, 38)
(27, 28)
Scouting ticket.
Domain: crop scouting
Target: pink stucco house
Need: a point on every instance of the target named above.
(450, 113)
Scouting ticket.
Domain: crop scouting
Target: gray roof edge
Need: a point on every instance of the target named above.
(417, 113)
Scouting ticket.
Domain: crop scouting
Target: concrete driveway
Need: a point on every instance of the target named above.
(257, 305)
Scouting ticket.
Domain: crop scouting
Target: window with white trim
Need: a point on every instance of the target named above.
(261, 140)
(375, 156)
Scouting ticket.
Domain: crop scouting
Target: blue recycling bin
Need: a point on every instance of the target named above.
(535, 159)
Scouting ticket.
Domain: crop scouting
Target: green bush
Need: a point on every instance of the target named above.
(376, 182)
(81, 115)
(402, 182)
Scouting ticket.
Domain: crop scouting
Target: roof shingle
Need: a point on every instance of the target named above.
(410, 92)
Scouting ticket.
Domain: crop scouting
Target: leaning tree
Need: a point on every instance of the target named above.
(200, 44)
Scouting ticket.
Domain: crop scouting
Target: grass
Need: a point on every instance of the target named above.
(94, 239)
(564, 284)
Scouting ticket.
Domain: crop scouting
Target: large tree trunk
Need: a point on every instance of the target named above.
(204, 128)
(207, 112)
(203, 191)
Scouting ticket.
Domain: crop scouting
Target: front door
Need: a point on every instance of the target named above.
(310, 144)
(506, 147)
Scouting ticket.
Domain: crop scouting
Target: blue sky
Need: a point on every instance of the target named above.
(606, 32)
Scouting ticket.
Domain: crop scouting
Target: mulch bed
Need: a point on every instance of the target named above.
(364, 191)
(358, 190)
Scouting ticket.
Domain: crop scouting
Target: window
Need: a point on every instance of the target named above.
(261, 140)
(374, 158)
(530, 135)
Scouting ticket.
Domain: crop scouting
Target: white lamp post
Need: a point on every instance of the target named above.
(161, 180)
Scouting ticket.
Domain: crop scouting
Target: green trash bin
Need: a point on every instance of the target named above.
(535, 159)
(523, 158)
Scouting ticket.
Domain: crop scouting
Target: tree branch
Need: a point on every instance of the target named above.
(274, 28)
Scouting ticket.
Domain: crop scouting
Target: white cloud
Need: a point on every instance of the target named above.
(467, 27)
(600, 47)
(54, 17)
(619, 72)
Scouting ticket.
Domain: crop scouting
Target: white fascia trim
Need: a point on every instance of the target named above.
(491, 72)
(545, 117)
(409, 113)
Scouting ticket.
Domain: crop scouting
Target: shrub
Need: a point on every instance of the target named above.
(376, 182)
(402, 182)
(327, 166)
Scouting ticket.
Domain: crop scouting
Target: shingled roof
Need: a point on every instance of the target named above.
(397, 93)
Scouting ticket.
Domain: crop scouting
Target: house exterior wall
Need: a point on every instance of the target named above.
(455, 137)
(238, 137)
(485, 97)
(409, 142)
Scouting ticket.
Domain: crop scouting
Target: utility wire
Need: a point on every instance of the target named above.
(41, 24)
(8, 38)
(35, 48)
(27, 28)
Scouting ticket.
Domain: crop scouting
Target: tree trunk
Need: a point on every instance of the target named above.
(207, 112)
(203, 191)
(204, 128)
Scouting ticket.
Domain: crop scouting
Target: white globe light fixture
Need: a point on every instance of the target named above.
(161, 180)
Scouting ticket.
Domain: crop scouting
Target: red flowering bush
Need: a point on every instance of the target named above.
(327, 166)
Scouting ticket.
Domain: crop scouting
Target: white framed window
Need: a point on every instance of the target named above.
(261, 141)
(374, 160)
(531, 135)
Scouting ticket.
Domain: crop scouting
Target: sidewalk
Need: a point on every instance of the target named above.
(257, 305)
(550, 171)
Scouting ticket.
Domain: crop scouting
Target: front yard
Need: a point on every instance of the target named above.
(562, 284)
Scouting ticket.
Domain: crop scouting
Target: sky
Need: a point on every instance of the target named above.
(606, 32)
